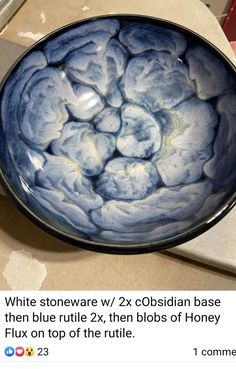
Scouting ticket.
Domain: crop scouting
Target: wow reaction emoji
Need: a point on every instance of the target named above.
(29, 351)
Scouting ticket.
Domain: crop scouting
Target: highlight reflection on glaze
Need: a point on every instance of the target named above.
(120, 131)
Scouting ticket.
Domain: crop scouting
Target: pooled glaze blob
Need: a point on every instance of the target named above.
(140, 134)
(221, 167)
(208, 72)
(163, 205)
(101, 69)
(87, 105)
(108, 120)
(139, 37)
(127, 179)
(87, 147)
(120, 131)
(189, 145)
(156, 80)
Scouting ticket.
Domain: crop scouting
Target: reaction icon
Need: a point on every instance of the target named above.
(19, 351)
(9, 351)
(29, 351)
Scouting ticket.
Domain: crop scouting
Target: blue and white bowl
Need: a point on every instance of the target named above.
(118, 134)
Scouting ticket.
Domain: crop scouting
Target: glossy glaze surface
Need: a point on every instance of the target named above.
(121, 131)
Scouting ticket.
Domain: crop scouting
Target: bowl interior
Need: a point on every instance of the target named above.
(120, 131)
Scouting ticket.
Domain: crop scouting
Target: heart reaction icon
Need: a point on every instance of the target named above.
(19, 351)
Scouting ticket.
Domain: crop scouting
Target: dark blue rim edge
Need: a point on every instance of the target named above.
(107, 247)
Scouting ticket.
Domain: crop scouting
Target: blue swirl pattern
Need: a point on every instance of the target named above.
(120, 132)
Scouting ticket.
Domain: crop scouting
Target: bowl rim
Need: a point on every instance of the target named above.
(116, 248)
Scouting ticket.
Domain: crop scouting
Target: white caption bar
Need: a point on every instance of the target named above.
(106, 329)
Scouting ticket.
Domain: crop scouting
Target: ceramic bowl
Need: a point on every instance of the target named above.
(118, 134)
